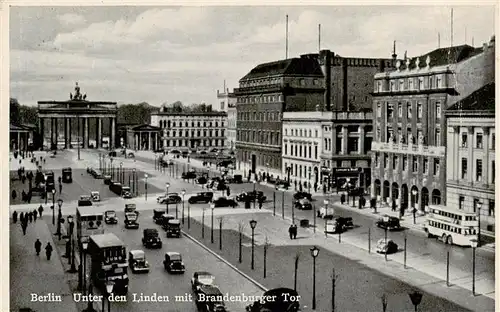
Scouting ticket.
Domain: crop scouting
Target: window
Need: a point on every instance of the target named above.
(493, 141)
(479, 140)
(286, 132)
(394, 162)
(436, 166)
(493, 172)
(464, 139)
(410, 83)
(405, 163)
(461, 202)
(393, 86)
(390, 110)
(386, 161)
(438, 110)
(426, 165)
(479, 170)
(286, 148)
(419, 110)
(439, 81)
(379, 86)
(415, 164)
(310, 154)
(420, 83)
(376, 160)
(475, 204)
(316, 152)
(464, 168)
(437, 138)
(401, 85)
(491, 208)
(408, 110)
(379, 110)
(400, 110)
(316, 133)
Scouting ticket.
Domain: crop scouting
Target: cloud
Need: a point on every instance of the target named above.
(71, 19)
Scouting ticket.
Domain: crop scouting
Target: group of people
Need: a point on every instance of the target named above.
(48, 248)
(27, 217)
(292, 231)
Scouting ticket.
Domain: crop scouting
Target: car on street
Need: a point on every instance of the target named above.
(67, 175)
(209, 298)
(300, 195)
(339, 224)
(126, 192)
(151, 238)
(276, 300)
(173, 228)
(110, 217)
(188, 175)
(97, 174)
(95, 196)
(225, 202)
(172, 198)
(204, 197)
(173, 263)
(386, 247)
(282, 185)
(112, 154)
(325, 212)
(251, 196)
(202, 278)
(303, 204)
(107, 179)
(202, 180)
(137, 261)
(164, 220)
(131, 220)
(388, 222)
(158, 215)
(84, 200)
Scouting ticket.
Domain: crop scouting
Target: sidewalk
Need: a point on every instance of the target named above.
(31, 274)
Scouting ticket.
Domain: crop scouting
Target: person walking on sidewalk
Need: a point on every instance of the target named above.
(30, 216)
(24, 225)
(294, 231)
(40, 210)
(48, 250)
(14, 217)
(21, 217)
(34, 214)
(38, 246)
(290, 231)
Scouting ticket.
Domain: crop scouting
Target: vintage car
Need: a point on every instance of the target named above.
(131, 208)
(151, 238)
(173, 263)
(208, 298)
(202, 278)
(339, 224)
(276, 300)
(300, 195)
(107, 179)
(188, 175)
(389, 223)
(172, 198)
(164, 220)
(225, 202)
(158, 215)
(131, 221)
(110, 217)
(386, 247)
(137, 261)
(126, 192)
(205, 197)
(282, 185)
(95, 196)
(67, 175)
(84, 200)
(202, 180)
(173, 228)
(303, 204)
(325, 212)
(251, 196)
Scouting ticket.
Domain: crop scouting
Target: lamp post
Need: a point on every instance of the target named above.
(46, 193)
(112, 171)
(83, 268)
(59, 217)
(309, 182)
(183, 193)
(416, 298)
(133, 178)
(314, 254)
(146, 186)
(479, 206)
(72, 243)
(283, 204)
(189, 216)
(167, 185)
(220, 232)
(109, 289)
(241, 225)
(212, 207)
(253, 224)
(203, 223)
(288, 169)
(254, 182)
(326, 202)
(120, 174)
(414, 210)
(474, 244)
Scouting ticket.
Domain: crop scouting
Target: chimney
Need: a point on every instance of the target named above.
(325, 61)
(394, 55)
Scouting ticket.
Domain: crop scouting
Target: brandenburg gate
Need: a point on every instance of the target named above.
(83, 110)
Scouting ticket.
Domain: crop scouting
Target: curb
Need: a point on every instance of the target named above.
(226, 262)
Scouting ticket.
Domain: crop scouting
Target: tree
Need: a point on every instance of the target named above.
(15, 116)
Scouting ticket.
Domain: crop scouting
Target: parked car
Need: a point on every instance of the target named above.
(205, 197)
(172, 198)
(188, 175)
(173, 228)
(110, 217)
(97, 174)
(225, 202)
(151, 238)
(303, 204)
(252, 195)
(275, 300)
(137, 261)
(210, 299)
(389, 223)
(300, 195)
(202, 180)
(107, 179)
(158, 215)
(386, 247)
(202, 278)
(131, 221)
(95, 196)
(84, 200)
(282, 185)
(173, 263)
(164, 220)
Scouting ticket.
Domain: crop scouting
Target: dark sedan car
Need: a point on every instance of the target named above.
(110, 217)
(202, 278)
(171, 199)
(253, 195)
(225, 202)
(389, 223)
(188, 175)
(303, 204)
(300, 195)
(204, 197)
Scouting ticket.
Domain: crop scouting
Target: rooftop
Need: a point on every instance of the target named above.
(292, 67)
(187, 114)
(106, 240)
(482, 99)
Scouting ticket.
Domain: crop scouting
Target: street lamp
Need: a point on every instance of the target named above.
(59, 217)
(254, 182)
(309, 182)
(416, 298)
(212, 207)
(253, 224)
(203, 223)
(167, 185)
(82, 281)
(414, 192)
(220, 232)
(146, 185)
(121, 179)
(109, 289)
(183, 193)
(479, 206)
(474, 244)
(46, 194)
(326, 202)
(288, 169)
(72, 243)
(112, 171)
(314, 254)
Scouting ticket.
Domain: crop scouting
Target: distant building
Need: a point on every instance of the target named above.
(140, 137)
(470, 158)
(227, 103)
(185, 131)
(21, 136)
(263, 94)
(408, 160)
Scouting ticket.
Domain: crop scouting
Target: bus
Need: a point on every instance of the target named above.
(89, 221)
(109, 262)
(452, 226)
(66, 175)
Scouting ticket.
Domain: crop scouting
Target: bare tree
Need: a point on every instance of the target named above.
(241, 227)
(266, 246)
(297, 256)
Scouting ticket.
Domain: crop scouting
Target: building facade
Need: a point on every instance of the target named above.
(408, 160)
(470, 158)
(191, 131)
(227, 103)
(327, 147)
(140, 137)
(263, 95)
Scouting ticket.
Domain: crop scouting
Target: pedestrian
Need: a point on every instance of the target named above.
(228, 191)
(34, 214)
(21, 217)
(30, 216)
(24, 226)
(14, 194)
(315, 187)
(23, 196)
(40, 210)
(23, 179)
(260, 202)
(394, 205)
(60, 188)
(14, 217)
(48, 250)
(294, 230)
(38, 246)
(290, 231)
(44, 161)
(30, 194)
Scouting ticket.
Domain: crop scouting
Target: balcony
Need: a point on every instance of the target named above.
(412, 149)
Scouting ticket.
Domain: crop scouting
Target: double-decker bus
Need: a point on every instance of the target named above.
(109, 262)
(452, 226)
(89, 221)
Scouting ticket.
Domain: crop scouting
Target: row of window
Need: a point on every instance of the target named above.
(296, 150)
(301, 132)
(451, 228)
(198, 133)
(173, 124)
(299, 171)
(185, 143)
(263, 116)
(400, 137)
(479, 140)
(255, 136)
(410, 83)
(479, 170)
(260, 159)
(409, 114)
(476, 203)
(254, 99)
(260, 82)
(414, 161)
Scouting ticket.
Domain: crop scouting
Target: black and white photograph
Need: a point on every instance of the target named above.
(250, 158)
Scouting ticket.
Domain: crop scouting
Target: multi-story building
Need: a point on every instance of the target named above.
(470, 157)
(410, 128)
(227, 102)
(264, 93)
(325, 146)
(191, 131)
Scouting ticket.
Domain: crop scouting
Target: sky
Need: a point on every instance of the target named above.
(131, 54)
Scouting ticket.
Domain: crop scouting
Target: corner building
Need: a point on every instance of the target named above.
(408, 160)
